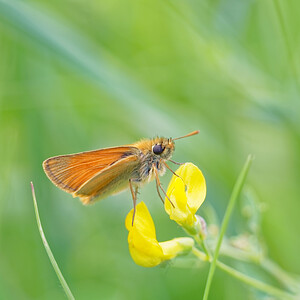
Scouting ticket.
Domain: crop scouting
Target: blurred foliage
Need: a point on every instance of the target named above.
(80, 75)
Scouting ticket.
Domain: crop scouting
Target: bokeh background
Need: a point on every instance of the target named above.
(81, 75)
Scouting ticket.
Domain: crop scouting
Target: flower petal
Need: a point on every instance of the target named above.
(176, 246)
(187, 193)
(195, 183)
(176, 192)
(144, 249)
(143, 246)
(142, 221)
(145, 252)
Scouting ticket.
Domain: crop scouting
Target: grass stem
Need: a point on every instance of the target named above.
(48, 250)
(287, 43)
(235, 193)
(256, 283)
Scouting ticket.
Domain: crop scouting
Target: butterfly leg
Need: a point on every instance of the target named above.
(134, 196)
(136, 192)
(158, 192)
(159, 184)
(171, 169)
(174, 162)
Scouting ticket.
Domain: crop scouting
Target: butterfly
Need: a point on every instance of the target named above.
(94, 175)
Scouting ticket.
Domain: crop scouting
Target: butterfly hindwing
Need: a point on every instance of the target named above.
(109, 181)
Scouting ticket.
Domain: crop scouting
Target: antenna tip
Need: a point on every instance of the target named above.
(193, 133)
(187, 135)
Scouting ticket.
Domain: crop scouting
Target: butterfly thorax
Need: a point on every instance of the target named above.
(149, 160)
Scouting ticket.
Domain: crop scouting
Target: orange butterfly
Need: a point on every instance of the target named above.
(94, 175)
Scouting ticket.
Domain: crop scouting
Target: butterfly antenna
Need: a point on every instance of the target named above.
(187, 135)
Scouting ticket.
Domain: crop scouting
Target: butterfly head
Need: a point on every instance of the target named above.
(163, 147)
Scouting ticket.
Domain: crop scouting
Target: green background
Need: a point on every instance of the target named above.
(81, 75)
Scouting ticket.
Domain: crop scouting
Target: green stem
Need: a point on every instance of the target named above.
(235, 193)
(205, 249)
(48, 250)
(291, 283)
(266, 288)
(202, 256)
(281, 275)
(202, 243)
(255, 283)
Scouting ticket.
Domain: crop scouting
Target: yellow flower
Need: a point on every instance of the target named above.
(144, 248)
(187, 193)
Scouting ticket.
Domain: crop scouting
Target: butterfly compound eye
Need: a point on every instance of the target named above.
(157, 149)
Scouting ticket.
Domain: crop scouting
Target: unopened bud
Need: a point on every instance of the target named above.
(203, 228)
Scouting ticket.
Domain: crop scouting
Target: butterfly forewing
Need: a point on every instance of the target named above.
(70, 172)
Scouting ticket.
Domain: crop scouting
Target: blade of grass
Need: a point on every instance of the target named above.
(291, 59)
(234, 195)
(48, 250)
